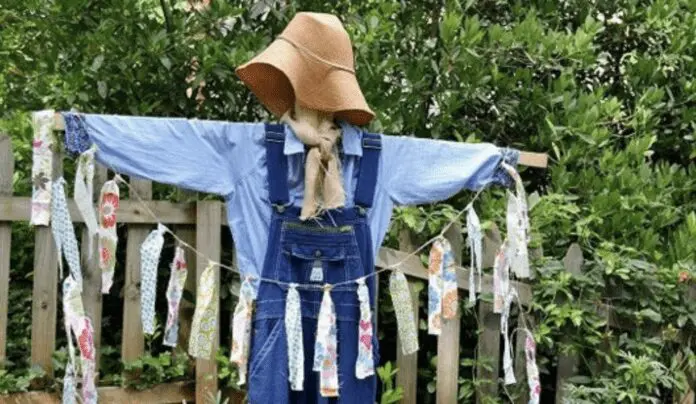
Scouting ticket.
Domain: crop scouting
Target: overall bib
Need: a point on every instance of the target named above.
(336, 247)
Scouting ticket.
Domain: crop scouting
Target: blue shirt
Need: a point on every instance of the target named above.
(229, 159)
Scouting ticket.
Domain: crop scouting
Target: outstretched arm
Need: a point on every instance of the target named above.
(205, 156)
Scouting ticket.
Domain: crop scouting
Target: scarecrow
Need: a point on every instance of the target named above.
(309, 202)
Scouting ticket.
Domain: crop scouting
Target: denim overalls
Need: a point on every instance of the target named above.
(334, 248)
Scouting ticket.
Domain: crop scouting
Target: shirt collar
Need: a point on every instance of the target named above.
(351, 138)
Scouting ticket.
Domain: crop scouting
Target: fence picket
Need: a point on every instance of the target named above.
(489, 338)
(133, 343)
(448, 341)
(45, 291)
(6, 174)
(407, 377)
(208, 243)
(91, 292)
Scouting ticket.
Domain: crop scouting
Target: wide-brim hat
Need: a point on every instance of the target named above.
(310, 62)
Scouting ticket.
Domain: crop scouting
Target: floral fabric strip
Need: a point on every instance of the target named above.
(325, 348)
(518, 227)
(42, 167)
(435, 288)
(84, 189)
(365, 363)
(81, 327)
(64, 233)
(108, 238)
(532, 370)
(501, 278)
(293, 331)
(442, 286)
(150, 252)
(508, 370)
(175, 289)
(403, 307)
(204, 325)
(475, 242)
(241, 328)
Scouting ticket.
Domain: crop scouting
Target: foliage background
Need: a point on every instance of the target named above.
(607, 88)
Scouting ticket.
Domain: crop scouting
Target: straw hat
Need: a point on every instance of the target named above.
(312, 59)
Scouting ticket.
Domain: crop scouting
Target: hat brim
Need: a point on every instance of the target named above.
(281, 73)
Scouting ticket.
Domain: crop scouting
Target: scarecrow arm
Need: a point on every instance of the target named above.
(205, 156)
(417, 171)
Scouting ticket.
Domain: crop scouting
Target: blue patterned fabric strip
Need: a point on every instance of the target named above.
(150, 252)
(63, 231)
(77, 139)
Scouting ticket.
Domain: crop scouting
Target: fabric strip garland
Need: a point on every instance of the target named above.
(150, 252)
(175, 289)
(204, 324)
(501, 278)
(508, 370)
(403, 307)
(84, 189)
(42, 167)
(241, 328)
(326, 347)
(293, 330)
(64, 233)
(365, 364)
(475, 243)
(108, 238)
(532, 370)
(81, 327)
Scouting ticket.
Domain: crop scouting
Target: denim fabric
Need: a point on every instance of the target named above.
(229, 159)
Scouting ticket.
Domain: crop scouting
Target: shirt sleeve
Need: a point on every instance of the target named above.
(205, 156)
(417, 171)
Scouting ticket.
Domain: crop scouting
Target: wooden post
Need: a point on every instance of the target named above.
(6, 174)
(187, 233)
(568, 362)
(407, 376)
(133, 342)
(45, 291)
(91, 275)
(448, 342)
(208, 243)
(489, 338)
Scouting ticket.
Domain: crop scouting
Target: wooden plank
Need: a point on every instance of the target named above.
(407, 377)
(45, 291)
(568, 362)
(413, 267)
(208, 243)
(91, 275)
(159, 394)
(17, 209)
(133, 343)
(488, 349)
(6, 174)
(448, 341)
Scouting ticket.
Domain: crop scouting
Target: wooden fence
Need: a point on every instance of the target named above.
(199, 224)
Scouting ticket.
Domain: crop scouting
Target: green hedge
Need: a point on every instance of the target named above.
(607, 88)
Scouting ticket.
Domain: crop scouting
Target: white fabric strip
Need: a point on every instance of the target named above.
(204, 324)
(403, 307)
(508, 369)
(293, 330)
(475, 241)
(364, 364)
(84, 190)
(109, 199)
(518, 227)
(326, 348)
(150, 252)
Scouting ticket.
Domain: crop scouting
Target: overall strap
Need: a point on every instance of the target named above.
(369, 164)
(277, 164)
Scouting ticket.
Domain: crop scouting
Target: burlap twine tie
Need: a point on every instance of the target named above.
(323, 182)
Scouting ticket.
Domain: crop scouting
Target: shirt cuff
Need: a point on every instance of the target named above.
(77, 140)
(501, 176)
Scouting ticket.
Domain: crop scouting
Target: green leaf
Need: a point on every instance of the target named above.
(102, 89)
(97, 62)
(166, 62)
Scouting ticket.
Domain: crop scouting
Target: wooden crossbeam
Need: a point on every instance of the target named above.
(529, 159)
